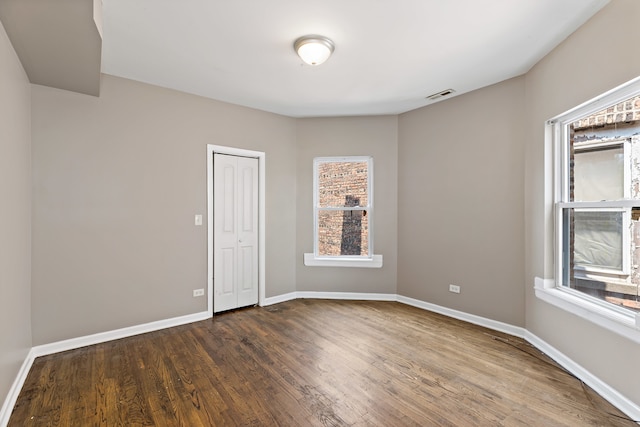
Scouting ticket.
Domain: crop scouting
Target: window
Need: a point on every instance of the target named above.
(596, 179)
(343, 212)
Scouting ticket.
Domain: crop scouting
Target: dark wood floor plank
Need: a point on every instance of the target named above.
(310, 363)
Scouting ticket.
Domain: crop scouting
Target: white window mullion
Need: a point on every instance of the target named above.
(619, 204)
(370, 205)
(626, 241)
(626, 148)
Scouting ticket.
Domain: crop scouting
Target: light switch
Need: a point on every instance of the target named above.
(198, 219)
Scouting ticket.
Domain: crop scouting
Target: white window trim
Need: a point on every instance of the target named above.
(616, 319)
(310, 260)
(626, 324)
(365, 261)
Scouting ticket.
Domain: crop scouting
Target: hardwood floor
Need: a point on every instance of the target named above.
(311, 363)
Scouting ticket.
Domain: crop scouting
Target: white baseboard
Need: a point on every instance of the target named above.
(70, 344)
(603, 389)
(460, 315)
(347, 296)
(279, 298)
(329, 295)
(14, 391)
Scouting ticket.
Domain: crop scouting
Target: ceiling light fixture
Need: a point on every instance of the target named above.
(313, 50)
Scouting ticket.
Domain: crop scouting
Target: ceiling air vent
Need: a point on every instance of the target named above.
(439, 95)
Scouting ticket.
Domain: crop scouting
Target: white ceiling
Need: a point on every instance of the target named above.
(389, 55)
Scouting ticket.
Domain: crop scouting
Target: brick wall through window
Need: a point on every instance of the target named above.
(343, 232)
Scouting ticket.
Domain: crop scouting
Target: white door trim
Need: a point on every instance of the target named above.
(261, 217)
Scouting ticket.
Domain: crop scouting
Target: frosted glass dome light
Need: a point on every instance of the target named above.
(313, 50)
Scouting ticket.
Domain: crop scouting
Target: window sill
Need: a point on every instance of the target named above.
(624, 324)
(310, 260)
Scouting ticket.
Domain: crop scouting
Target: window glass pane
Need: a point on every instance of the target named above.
(342, 184)
(598, 239)
(343, 233)
(592, 256)
(599, 174)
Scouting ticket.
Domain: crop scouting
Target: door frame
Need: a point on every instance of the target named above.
(219, 149)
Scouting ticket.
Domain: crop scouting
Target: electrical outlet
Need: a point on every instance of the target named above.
(454, 288)
(198, 292)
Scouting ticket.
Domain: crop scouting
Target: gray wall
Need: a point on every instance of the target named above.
(599, 56)
(349, 136)
(117, 182)
(15, 215)
(461, 205)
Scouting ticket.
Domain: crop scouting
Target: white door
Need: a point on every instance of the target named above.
(235, 232)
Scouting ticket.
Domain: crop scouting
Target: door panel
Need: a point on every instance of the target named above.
(235, 270)
(227, 273)
(229, 204)
(248, 192)
(245, 267)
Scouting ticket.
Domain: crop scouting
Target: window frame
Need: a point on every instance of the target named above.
(622, 321)
(368, 260)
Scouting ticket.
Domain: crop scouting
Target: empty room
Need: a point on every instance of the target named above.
(338, 213)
